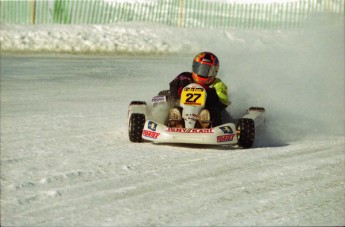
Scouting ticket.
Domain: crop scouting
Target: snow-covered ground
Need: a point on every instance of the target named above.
(65, 155)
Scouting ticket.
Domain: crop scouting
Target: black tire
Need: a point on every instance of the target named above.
(245, 132)
(138, 103)
(164, 92)
(135, 127)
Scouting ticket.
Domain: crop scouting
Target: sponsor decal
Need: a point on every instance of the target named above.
(152, 126)
(158, 99)
(226, 129)
(225, 138)
(191, 116)
(192, 103)
(200, 89)
(150, 134)
(190, 130)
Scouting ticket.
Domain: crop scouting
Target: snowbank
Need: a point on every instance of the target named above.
(89, 39)
(132, 38)
(125, 38)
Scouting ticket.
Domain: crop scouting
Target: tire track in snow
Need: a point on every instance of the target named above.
(219, 184)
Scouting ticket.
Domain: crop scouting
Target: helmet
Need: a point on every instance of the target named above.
(205, 68)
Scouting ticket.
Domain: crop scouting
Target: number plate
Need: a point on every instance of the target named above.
(193, 96)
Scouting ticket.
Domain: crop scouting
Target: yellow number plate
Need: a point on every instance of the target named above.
(193, 96)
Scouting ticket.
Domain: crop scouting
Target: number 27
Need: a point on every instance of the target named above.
(192, 97)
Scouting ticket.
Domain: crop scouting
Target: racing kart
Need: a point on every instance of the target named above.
(149, 122)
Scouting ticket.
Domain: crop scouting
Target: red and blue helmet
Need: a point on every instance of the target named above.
(205, 68)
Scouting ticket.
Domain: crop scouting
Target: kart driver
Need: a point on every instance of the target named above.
(205, 68)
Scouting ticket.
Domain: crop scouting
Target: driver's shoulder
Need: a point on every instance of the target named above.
(218, 83)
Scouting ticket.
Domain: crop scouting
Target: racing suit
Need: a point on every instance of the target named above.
(217, 95)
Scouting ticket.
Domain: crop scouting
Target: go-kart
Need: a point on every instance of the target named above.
(149, 122)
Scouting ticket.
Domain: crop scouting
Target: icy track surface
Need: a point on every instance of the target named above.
(66, 159)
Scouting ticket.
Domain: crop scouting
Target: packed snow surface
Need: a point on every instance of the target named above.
(65, 155)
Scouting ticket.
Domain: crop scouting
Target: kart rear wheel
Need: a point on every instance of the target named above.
(135, 127)
(245, 132)
(164, 92)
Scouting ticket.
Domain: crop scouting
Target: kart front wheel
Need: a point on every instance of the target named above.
(245, 132)
(135, 127)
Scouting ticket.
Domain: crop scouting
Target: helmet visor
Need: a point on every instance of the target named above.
(203, 70)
